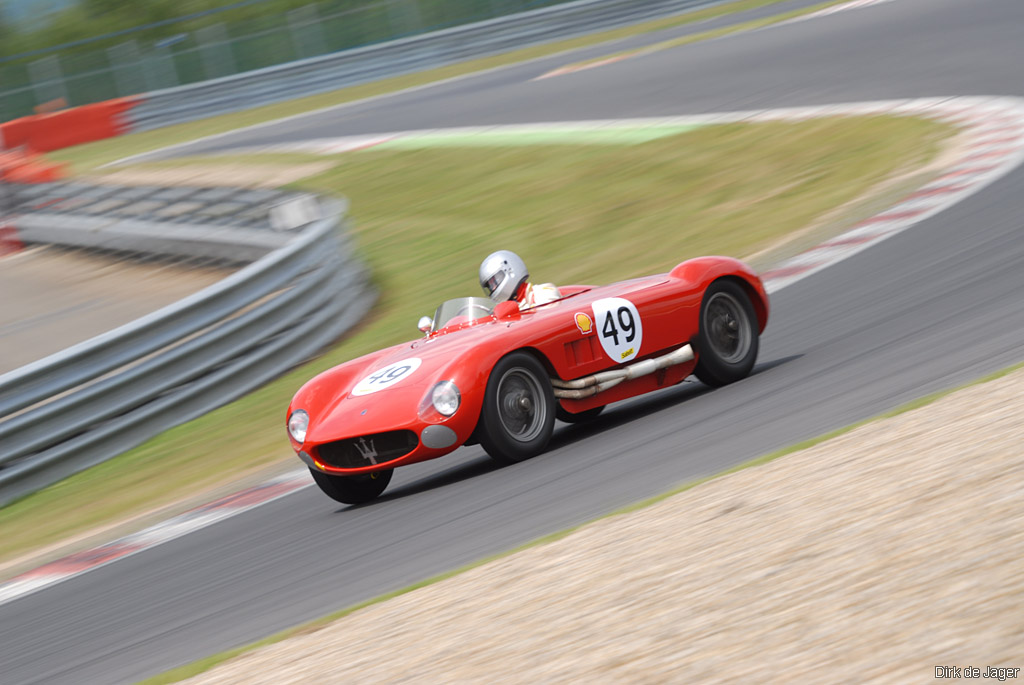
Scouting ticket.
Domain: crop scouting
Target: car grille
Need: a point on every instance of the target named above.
(367, 450)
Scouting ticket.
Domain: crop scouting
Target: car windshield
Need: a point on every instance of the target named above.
(462, 310)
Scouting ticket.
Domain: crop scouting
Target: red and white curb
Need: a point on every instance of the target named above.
(200, 517)
(994, 145)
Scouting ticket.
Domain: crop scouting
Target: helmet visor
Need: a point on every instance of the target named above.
(492, 283)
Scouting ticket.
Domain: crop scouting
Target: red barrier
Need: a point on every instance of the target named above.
(19, 166)
(69, 127)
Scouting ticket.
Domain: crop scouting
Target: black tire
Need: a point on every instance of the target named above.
(727, 339)
(354, 489)
(518, 415)
(578, 417)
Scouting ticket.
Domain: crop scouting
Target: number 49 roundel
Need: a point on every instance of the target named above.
(618, 328)
(386, 377)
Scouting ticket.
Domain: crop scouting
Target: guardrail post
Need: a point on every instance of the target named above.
(215, 50)
(307, 35)
(160, 69)
(126, 65)
(404, 17)
(47, 80)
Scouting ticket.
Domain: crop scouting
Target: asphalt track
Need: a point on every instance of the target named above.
(930, 308)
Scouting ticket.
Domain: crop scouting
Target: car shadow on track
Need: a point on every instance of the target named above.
(461, 472)
(567, 434)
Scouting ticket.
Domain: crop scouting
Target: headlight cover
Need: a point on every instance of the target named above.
(298, 422)
(446, 398)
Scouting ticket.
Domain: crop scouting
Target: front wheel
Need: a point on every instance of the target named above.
(355, 489)
(518, 415)
(727, 340)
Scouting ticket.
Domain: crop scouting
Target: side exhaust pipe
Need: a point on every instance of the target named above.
(588, 386)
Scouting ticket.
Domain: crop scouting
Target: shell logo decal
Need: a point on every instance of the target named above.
(584, 323)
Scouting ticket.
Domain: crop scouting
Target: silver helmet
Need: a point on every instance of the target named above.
(501, 275)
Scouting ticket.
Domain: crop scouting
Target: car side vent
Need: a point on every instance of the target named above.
(368, 450)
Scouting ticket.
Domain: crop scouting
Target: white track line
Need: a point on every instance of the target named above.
(856, 4)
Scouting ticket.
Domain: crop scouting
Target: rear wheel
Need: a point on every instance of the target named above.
(518, 415)
(355, 489)
(727, 341)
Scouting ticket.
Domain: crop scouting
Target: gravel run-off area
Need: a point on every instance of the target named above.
(873, 557)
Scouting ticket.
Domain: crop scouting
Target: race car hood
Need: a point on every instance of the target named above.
(390, 390)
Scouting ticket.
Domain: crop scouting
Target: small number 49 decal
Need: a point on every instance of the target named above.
(619, 328)
(386, 377)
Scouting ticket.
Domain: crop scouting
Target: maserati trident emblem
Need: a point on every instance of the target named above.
(367, 452)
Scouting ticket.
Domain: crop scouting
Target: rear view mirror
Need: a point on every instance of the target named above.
(425, 324)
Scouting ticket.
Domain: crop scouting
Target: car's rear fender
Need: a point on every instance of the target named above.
(758, 298)
(703, 271)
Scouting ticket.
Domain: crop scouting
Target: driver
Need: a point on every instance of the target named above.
(503, 276)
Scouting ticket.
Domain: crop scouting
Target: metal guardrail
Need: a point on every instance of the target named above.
(196, 47)
(223, 223)
(403, 56)
(92, 401)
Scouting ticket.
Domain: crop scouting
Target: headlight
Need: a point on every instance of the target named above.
(298, 422)
(445, 397)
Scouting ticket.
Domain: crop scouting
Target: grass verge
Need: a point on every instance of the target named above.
(89, 156)
(207, 663)
(425, 218)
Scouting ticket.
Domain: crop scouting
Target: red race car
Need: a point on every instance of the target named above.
(499, 376)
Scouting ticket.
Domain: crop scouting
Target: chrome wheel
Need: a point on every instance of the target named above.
(521, 408)
(518, 415)
(728, 327)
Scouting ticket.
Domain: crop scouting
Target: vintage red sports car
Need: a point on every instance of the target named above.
(499, 376)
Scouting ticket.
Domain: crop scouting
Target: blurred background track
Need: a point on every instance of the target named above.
(933, 307)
